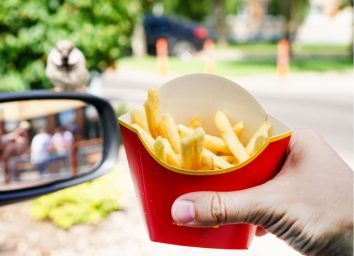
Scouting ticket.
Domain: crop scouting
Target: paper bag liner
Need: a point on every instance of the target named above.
(158, 184)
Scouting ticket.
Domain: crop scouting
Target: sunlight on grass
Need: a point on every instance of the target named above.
(236, 67)
(252, 48)
(300, 49)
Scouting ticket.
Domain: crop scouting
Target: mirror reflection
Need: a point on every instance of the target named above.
(46, 140)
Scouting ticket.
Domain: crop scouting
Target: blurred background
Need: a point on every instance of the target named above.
(294, 56)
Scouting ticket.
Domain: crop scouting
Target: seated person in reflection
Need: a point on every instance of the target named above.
(61, 144)
(40, 150)
(14, 143)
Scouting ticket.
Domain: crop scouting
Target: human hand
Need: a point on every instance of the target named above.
(309, 204)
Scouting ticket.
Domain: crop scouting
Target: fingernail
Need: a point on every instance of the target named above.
(183, 211)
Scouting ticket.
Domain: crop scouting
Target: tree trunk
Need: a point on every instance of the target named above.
(139, 40)
(351, 46)
(220, 25)
(288, 28)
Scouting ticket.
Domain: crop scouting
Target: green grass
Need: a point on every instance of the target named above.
(237, 67)
(322, 65)
(300, 49)
(252, 48)
(321, 49)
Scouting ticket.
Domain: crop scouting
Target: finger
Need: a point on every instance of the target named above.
(256, 206)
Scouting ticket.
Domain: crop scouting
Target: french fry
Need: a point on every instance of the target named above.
(169, 130)
(217, 161)
(146, 137)
(216, 144)
(238, 128)
(192, 149)
(195, 122)
(230, 159)
(199, 136)
(207, 162)
(213, 143)
(187, 148)
(171, 157)
(138, 115)
(260, 141)
(159, 149)
(184, 130)
(259, 138)
(229, 137)
(152, 109)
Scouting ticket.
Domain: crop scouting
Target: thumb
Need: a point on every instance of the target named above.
(255, 206)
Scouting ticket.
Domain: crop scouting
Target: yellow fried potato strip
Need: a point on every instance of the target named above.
(146, 137)
(218, 162)
(259, 138)
(138, 115)
(159, 148)
(195, 122)
(207, 162)
(192, 149)
(153, 114)
(238, 128)
(229, 137)
(213, 143)
(169, 131)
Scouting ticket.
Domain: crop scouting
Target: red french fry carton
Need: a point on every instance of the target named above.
(158, 184)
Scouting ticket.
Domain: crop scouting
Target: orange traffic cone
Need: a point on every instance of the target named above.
(209, 48)
(162, 56)
(283, 60)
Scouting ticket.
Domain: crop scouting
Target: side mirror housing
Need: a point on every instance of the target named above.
(50, 141)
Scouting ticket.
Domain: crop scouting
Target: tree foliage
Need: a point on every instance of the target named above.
(29, 29)
(294, 12)
(190, 9)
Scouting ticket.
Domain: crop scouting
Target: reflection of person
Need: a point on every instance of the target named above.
(309, 204)
(40, 150)
(62, 140)
(15, 142)
(61, 143)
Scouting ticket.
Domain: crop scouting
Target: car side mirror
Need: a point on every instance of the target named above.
(50, 141)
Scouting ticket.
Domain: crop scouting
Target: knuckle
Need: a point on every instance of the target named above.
(218, 208)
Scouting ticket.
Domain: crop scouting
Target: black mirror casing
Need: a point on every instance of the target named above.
(111, 140)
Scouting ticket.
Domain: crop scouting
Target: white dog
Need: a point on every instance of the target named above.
(66, 67)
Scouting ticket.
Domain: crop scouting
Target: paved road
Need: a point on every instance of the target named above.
(319, 103)
(334, 121)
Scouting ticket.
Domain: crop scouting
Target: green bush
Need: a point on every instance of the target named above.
(121, 109)
(29, 29)
(87, 203)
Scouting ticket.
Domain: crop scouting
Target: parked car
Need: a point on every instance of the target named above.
(182, 37)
